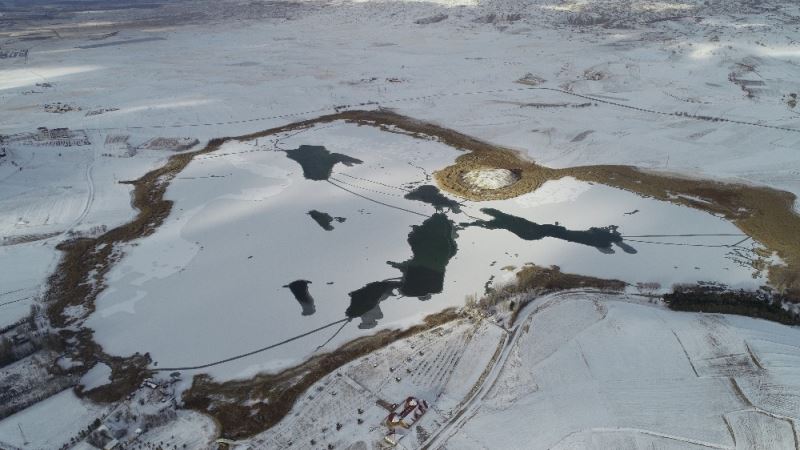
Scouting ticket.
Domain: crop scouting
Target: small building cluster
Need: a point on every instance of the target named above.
(60, 108)
(55, 137)
(97, 112)
(13, 53)
(159, 391)
(116, 145)
(403, 418)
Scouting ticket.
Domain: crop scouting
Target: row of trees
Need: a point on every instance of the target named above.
(714, 298)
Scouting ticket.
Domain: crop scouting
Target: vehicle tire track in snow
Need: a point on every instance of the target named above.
(90, 198)
(670, 437)
(15, 301)
(686, 353)
(12, 292)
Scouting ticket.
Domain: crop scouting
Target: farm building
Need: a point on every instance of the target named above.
(407, 414)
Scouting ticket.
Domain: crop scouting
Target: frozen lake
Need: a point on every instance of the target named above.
(241, 263)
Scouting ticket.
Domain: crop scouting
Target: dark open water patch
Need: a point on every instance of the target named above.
(433, 244)
(299, 289)
(431, 195)
(367, 298)
(324, 219)
(600, 238)
(317, 162)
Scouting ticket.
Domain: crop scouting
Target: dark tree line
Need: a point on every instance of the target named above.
(714, 298)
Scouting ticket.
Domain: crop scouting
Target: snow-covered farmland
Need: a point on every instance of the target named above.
(597, 371)
(441, 366)
(50, 423)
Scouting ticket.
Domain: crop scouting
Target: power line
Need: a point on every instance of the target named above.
(278, 344)
(333, 336)
(15, 301)
(683, 235)
(684, 244)
(376, 201)
(374, 182)
(11, 292)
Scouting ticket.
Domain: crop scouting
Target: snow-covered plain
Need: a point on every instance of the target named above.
(50, 423)
(51, 193)
(460, 71)
(207, 69)
(593, 371)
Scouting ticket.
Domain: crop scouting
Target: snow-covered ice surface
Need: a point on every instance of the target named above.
(213, 277)
(97, 376)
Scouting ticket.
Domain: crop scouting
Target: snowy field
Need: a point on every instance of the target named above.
(599, 372)
(50, 423)
(51, 193)
(459, 71)
(441, 366)
(566, 83)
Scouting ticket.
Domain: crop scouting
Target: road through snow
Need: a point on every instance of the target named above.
(470, 408)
